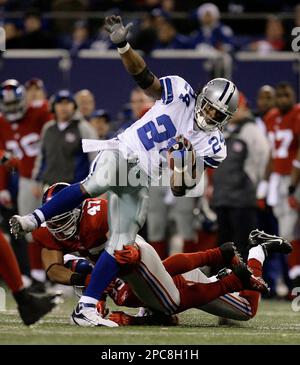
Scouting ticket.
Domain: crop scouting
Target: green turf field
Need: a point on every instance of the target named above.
(275, 323)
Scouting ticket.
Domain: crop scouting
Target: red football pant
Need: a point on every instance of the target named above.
(194, 295)
(198, 294)
(184, 262)
(9, 268)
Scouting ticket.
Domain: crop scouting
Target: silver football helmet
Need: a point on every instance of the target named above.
(216, 104)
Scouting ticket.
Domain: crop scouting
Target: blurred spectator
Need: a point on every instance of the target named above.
(35, 90)
(35, 37)
(274, 37)
(65, 25)
(168, 5)
(297, 16)
(234, 195)
(283, 126)
(148, 4)
(14, 5)
(12, 34)
(140, 103)
(86, 102)
(211, 32)
(100, 120)
(20, 129)
(266, 220)
(80, 37)
(61, 157)
(265, 101)
(168, 38)
(145, 35)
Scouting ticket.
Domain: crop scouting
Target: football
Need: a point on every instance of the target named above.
(178, 152)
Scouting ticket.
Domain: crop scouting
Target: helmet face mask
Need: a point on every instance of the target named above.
(64, 226)
(208, 117)
(216, 104)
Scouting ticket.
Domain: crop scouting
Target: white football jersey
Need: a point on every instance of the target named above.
(169, 117)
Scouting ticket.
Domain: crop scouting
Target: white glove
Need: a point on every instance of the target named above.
(22, 225)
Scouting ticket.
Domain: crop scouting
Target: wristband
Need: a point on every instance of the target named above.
(123, 48)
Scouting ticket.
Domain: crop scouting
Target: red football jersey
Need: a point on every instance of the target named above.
(91, 235)
(283, 133)
(22, 138)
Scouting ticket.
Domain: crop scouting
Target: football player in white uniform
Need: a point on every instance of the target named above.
(180, 122)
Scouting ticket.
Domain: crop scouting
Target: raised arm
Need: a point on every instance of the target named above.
(133, 62)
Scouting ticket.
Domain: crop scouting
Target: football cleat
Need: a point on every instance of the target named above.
(86, 315)
(250, 281)
(32, 308)
(269, 243)
(230, 255)
(21, 225)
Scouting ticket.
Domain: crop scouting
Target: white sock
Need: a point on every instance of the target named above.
(90, 300)
(257, 253)
(40, 216)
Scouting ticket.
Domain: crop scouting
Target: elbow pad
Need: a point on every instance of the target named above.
(144, 79)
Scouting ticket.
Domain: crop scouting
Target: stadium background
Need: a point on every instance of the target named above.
(92, 62)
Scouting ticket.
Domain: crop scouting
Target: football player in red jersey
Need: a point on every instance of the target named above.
(177, 284)
(157, 285)
(20, 127)
(35, 90)
(283, 128)
(82, 231)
